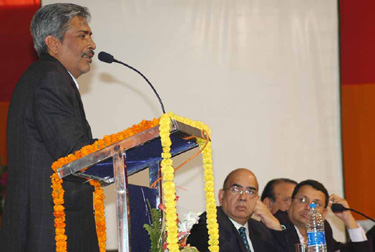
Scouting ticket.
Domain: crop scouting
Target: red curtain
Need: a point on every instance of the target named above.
(17, 52)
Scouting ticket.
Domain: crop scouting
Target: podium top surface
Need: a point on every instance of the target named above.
(140, 151)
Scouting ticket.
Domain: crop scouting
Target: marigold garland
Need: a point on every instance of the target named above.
(169, 188)
(58, 191)
(99, 214)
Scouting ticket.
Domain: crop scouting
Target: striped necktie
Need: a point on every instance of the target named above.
(242, 232)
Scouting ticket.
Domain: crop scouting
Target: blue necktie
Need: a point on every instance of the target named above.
(242, 232)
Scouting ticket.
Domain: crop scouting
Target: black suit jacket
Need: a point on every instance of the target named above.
(262, 238)
(46, 121)
(332, 244)
(371, 237)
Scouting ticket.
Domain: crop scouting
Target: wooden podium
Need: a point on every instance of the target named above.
(114, 163)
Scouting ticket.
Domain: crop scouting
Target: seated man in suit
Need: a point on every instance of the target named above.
(239, 200)
(277, 194)
(312, 191)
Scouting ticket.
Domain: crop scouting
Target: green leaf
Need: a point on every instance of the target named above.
(154, 230)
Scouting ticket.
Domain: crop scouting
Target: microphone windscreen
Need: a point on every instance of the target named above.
(338, 208)
(105, 57)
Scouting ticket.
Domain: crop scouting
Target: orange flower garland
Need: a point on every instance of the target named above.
(99, 214)
(59, 213)
(58, 191)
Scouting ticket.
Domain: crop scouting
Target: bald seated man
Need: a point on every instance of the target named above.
(277, 194)
(238, 232)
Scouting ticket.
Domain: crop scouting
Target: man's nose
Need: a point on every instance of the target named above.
(308, 205)
(92, 44)
(243, 195)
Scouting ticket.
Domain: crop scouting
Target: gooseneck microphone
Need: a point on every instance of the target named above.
(108, 58)
(338, 208)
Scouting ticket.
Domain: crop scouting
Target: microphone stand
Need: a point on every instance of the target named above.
(144, 77)
(361, 214)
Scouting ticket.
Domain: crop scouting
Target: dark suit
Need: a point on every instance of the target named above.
(262, 238)
(46, 121)
(332, 244)
(371, 237)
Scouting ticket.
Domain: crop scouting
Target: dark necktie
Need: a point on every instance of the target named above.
(242, 232)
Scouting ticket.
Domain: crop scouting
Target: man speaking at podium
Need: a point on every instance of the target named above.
(46, 121)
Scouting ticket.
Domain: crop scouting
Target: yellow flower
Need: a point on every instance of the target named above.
(169, 189)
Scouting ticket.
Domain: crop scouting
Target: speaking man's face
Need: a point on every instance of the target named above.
(76, 50)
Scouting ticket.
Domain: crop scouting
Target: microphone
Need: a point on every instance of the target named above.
(338, 208)
(108, 58)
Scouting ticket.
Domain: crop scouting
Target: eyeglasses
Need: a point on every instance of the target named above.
(238, 190)
(287, 200)
(306, 201)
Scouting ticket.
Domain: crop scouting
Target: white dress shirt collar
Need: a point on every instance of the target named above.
(246, 226)
(75, 80)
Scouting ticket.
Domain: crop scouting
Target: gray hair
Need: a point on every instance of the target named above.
(53, 19)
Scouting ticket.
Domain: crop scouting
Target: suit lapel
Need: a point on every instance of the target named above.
(81, 109)
(255, 238)
(229, 234)
(291, 232)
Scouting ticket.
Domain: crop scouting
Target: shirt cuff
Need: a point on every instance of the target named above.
(357, 234)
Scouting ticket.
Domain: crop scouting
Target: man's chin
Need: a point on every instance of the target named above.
(241, 209)
(303, 219)
(242, 217)
(85, 69)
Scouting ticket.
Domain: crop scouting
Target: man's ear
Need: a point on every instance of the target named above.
(53, 44)
(221, 195)
(268, 202)
(324, 213)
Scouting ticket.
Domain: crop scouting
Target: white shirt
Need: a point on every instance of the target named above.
(74, 79)
(237, 226)
(300, 236)
(355, 234)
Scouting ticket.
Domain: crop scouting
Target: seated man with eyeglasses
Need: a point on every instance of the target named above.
(294, 220)
(239, 200)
